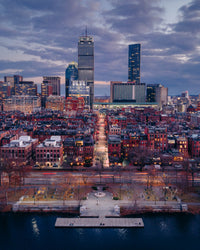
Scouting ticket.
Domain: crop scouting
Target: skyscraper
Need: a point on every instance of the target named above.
(71, 74)
(134, 63)
(55, 82)
(86, 63)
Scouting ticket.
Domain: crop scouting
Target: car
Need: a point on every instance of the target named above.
(36, 166)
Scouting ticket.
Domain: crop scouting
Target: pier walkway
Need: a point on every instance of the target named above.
(100, 222)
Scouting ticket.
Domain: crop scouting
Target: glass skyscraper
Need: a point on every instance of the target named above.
(71, 74)
(134, 63)
(86, 63)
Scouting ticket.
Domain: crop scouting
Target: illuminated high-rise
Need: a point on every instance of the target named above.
(71, 74)
(86, 63)
(134, 63)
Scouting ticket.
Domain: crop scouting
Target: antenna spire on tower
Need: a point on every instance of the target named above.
(86, 31)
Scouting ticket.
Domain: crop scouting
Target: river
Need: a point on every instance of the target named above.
(37, 231)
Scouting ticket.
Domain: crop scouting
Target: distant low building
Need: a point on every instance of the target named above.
(102, 99)
(46, 91)
(55, 103)
(54, 81)
(23, 103)
(26, 88)
(5, 90)
(80, 89)
(74, 105)
(157, 93)
(127, 92)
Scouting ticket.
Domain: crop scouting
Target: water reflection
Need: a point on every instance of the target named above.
(163, 226)
(97, 230)
(122, 233)
(80, 232)
(36, 230)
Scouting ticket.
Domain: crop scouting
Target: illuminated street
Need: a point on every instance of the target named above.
(101, 148)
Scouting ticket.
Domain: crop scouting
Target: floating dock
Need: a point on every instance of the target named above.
(101, 222)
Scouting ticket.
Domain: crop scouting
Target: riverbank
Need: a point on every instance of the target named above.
(192, 209)
(124, 210)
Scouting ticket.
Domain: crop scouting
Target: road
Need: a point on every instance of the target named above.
(101, 148)
(106, 177)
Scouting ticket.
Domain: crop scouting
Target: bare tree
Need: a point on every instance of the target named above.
(141, 155)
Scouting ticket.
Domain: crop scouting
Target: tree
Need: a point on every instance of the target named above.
(141, 155)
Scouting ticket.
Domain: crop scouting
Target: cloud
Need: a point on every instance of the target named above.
(40, 38)
(189, 19)
(134, 16)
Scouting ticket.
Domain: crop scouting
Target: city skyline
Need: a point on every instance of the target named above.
(41, 39)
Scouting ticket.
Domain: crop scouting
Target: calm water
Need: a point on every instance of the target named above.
(33, 231)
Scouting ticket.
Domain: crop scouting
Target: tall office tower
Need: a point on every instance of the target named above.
(157, 93)
(86, 63)
(26, 88)
(55, 82)
(71, 74)
(134, 63)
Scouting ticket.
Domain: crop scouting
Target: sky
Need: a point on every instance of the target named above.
(40, 37)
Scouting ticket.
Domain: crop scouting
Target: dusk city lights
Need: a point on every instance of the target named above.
(99, 124)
